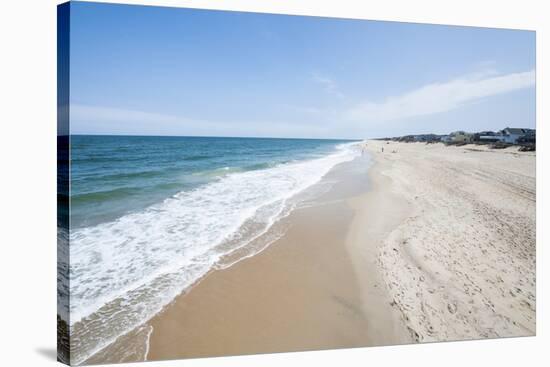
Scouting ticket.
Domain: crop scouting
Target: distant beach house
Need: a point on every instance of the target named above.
(487, 137)
(460, 137)
(513, 135)
(510, 135)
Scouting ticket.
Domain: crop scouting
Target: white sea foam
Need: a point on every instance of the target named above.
(147, 343)
(123, 272)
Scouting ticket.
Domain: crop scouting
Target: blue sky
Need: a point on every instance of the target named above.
(142, 70)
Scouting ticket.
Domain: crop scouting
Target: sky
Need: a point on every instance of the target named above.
(141, 70)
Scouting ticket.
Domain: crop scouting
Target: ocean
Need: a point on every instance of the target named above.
(152, 215)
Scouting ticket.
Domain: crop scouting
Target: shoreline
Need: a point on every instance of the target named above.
(301, 293)
(163, 250)
(416, 252)
(304, 291)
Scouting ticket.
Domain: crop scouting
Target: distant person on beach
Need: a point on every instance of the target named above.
(382, 149)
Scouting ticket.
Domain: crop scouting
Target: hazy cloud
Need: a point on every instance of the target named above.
(441, 97)
(81, 112)
(86, 119)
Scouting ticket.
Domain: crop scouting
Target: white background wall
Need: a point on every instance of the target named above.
(28, 180)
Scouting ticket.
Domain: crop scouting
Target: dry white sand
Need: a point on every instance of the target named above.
(461, 265)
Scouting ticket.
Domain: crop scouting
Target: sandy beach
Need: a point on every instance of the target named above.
(419, 243)
(462, 264)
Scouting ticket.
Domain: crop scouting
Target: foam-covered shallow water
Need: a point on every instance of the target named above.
(146, 228)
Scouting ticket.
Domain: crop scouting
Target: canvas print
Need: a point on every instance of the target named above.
(236, 183)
